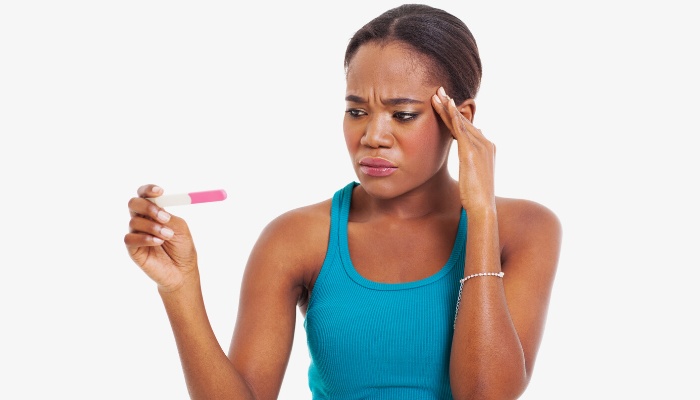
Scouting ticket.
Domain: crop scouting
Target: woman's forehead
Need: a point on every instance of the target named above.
(393, 63)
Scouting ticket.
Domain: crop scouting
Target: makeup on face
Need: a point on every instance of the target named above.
(377, 167)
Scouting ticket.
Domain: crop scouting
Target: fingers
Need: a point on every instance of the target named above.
(148, 208)
(441, 104)
(148, 227)
(138, 240)
(139, 206)
(149, 191)
(147, 224)
(459, 125)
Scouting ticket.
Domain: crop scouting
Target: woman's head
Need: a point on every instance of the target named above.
(444, 39)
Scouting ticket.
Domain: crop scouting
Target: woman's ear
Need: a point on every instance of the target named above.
(468, 109)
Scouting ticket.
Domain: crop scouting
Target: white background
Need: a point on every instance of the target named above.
(592, 105)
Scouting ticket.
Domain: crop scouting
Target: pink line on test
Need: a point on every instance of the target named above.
(207, 196)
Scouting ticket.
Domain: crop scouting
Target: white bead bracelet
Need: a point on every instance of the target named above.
(468, 277)
(461, 284)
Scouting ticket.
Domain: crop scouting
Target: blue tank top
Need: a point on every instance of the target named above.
(372, 340)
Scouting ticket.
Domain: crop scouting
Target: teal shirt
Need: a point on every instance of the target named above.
(372, 340)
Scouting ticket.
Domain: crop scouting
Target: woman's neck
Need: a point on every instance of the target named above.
(438, 195)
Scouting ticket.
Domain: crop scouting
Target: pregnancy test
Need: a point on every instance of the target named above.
(183, 199)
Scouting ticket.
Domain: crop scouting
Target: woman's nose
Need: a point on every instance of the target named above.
(377, 134)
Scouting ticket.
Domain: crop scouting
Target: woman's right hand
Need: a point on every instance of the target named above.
(158, 242)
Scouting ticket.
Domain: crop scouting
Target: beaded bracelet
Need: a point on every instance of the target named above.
(461, 284)
(468, 277)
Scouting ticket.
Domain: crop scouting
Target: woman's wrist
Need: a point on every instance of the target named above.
(483, 211)
(483, 249)
(190, 283)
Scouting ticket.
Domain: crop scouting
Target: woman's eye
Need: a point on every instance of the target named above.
(353, 112)
(405, 116)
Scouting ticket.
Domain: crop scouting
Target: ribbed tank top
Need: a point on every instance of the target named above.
(373, 340)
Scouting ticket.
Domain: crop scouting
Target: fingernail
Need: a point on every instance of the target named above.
(163, 216)
(452, 101)
(156, 189)
(442, 91)
(157, 240)
(167, 232)
(437, 98)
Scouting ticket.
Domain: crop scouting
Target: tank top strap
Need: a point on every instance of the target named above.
(340, 210)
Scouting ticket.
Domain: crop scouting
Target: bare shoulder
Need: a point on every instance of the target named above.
(526, 212)
(298, 225)
(294, 243)
(527, 224)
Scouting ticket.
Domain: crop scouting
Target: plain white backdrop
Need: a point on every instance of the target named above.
(592, 106)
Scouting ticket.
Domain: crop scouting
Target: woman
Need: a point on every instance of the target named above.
(413, 285)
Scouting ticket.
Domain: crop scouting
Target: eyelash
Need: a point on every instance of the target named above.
(402, 116)
(354, 113)
(405, 116)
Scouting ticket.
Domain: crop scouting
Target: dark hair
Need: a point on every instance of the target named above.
(435, 33)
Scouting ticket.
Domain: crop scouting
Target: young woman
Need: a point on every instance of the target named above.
(413, 285)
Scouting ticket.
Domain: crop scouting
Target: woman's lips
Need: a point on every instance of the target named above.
(373, 166)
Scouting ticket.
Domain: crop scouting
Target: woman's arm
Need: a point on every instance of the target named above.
(501, 321)
(280, 267)
(161, 245)
(209, 374)
(272, 285)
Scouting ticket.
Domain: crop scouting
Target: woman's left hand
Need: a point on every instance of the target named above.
(477, 155)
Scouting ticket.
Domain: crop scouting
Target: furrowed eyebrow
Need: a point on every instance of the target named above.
(354, 99)
(401, 101)
(394, 102)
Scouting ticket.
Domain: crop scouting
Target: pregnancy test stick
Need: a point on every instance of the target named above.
(183, 199)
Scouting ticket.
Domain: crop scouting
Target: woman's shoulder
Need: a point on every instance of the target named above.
(525, 211)
(303, 220)
(522, 221)
(298, 223)
(293, 245)
(301, 233)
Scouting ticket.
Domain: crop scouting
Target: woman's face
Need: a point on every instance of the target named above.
(395, 139)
